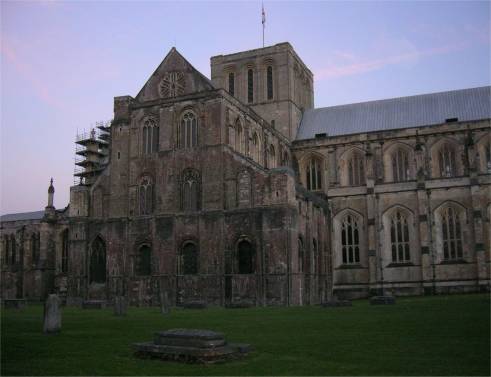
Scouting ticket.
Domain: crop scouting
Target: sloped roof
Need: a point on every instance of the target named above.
(404, 112)
(37, 215)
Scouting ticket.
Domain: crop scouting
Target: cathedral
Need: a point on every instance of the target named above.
(237, 191)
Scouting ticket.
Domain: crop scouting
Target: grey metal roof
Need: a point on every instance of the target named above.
(403, 112)
(37, 215)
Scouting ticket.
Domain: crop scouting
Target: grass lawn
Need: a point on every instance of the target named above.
(441, 335)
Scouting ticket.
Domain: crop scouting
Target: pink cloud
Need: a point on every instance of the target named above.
(26, 71)
(334, 71)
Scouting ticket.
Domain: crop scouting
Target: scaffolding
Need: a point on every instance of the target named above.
(91, 153)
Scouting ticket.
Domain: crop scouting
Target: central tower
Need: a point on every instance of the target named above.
(272, 80)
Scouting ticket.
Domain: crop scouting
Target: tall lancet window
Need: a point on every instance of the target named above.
(188, 131)
(399, 238)
(35, 247)
(250, 85)
(451, 234)
(190, 190)
(400, 165)
(269, 81)
(446, 161)
(350, 240)
(145, 193)
(356, 170)
(150, 138)
(231, 83)
(313, 174)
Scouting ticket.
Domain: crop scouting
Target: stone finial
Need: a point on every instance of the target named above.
(51, 193)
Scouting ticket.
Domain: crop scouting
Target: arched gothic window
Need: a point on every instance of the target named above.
(239, 137)
(350, 240)
(5, 250)
(64, 251)
(188, 132)
(313, 174)
(231, 83)
(271, 157)
(356, 170)
(269, 81)
(98, 261)
(256, 148)
(190, 190)
(400, 165)
(451, 234)
(189, 259)
(399, 238)
(35, 247)
(150, 138)
(145, 196)
(144, 261)
(446, 161)
(245, 257)
(300, 254)
(250, 85)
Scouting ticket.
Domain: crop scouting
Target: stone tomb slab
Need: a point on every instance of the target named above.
(14, 303)
(94, 304)
(191, 346)
(382, 300)
(336, 303)
(195, 304)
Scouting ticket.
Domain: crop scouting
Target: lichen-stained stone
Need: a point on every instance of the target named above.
(52, 315)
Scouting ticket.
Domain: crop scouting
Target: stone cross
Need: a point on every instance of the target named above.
(120, 306)
(52, 315)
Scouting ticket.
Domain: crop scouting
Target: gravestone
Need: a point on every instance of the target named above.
(120, 306)
(52, 315)
(334, 302)
(164, 303)
(94, 304)
(195, 304)
(382, 300)
(16, 303)
(191, 346)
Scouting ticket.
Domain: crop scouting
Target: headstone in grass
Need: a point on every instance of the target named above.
(382, 300)
(120, 306)
(164, 303)
(52, 315)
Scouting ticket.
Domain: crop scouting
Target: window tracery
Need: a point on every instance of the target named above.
(350, 240)
(356, 170)
(399, 238)
(188, 131)
(145, 196)
(313, 173)
(190, 190)
(150, 137)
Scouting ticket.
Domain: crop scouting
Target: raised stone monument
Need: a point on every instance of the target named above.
(52, 315)
(120, 306)
(189, 345)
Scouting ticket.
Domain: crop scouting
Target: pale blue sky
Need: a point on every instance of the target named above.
(63, 62)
